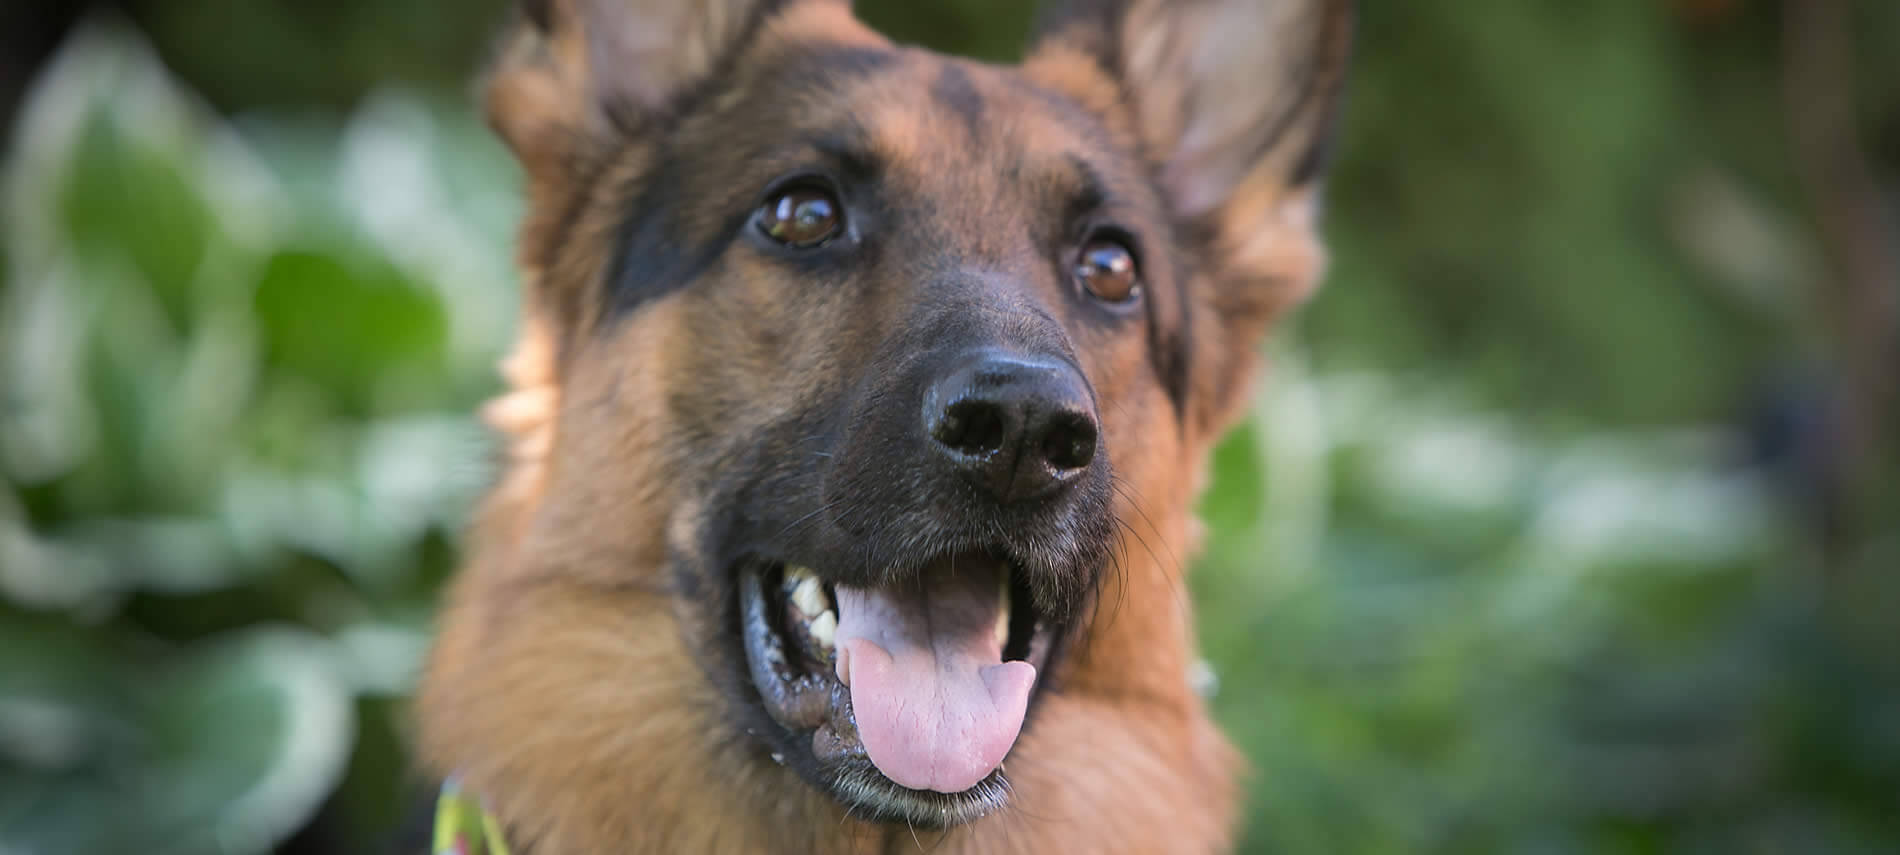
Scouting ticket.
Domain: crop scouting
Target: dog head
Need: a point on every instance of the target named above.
(862, 375)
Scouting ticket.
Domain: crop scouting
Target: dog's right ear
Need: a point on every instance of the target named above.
(571, 72)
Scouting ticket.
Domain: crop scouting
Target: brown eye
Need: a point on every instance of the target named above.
(802, 217)
(1107, 270)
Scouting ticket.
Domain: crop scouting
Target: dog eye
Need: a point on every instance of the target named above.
(1107, 270)
(801, 217)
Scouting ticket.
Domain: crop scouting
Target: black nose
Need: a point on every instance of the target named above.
(1019, 427)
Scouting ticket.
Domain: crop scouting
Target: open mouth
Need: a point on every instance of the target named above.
(911, 694)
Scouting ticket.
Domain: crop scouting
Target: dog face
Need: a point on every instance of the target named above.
(862, 376)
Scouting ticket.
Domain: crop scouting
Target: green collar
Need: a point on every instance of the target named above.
(463, 826)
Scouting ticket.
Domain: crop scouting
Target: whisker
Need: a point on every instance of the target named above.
(1171, 567)
(801, 520)
(1133, 495)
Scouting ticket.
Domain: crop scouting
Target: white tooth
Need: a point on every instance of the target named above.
(793, 573)
(809, 596)
(824, 629)
(1002, 614)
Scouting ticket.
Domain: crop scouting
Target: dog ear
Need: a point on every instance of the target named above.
(1233, 103)
(1233, 98)
(571, 71)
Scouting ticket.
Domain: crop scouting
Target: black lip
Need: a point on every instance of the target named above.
(795, 698)
(815, 732)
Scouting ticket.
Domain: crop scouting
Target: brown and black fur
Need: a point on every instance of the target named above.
(682, 392)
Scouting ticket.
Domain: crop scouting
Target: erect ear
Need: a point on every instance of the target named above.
(1232, 102)
(571, 71)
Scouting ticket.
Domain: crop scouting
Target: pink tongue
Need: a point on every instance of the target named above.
(937, 707)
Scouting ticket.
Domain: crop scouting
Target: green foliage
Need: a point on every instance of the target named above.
(1486, 573)
(237, 443)
(1497, 642)
(220, 747)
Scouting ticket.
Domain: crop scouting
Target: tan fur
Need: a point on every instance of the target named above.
(563, 688)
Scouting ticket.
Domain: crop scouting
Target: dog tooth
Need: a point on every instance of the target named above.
(809, 596)
(824, 629)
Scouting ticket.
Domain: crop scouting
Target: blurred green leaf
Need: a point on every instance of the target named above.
(370, 337)
(226, 747)
(127, 196)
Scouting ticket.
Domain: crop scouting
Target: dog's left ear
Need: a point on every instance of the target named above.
(1233, 103)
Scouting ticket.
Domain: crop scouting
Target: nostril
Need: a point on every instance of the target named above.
(1014, 427)
(972, 427)
(1070, 441)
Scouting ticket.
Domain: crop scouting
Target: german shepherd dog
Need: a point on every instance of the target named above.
(853, 433)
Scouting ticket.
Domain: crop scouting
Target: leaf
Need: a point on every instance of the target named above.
(373, 339)
(223, 747)
(127, 196)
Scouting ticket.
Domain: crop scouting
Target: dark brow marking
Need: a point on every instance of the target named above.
(652, 257)
(1091, 193)
(826, 68)
(953, 89)
(848, 148)
(654, 254)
